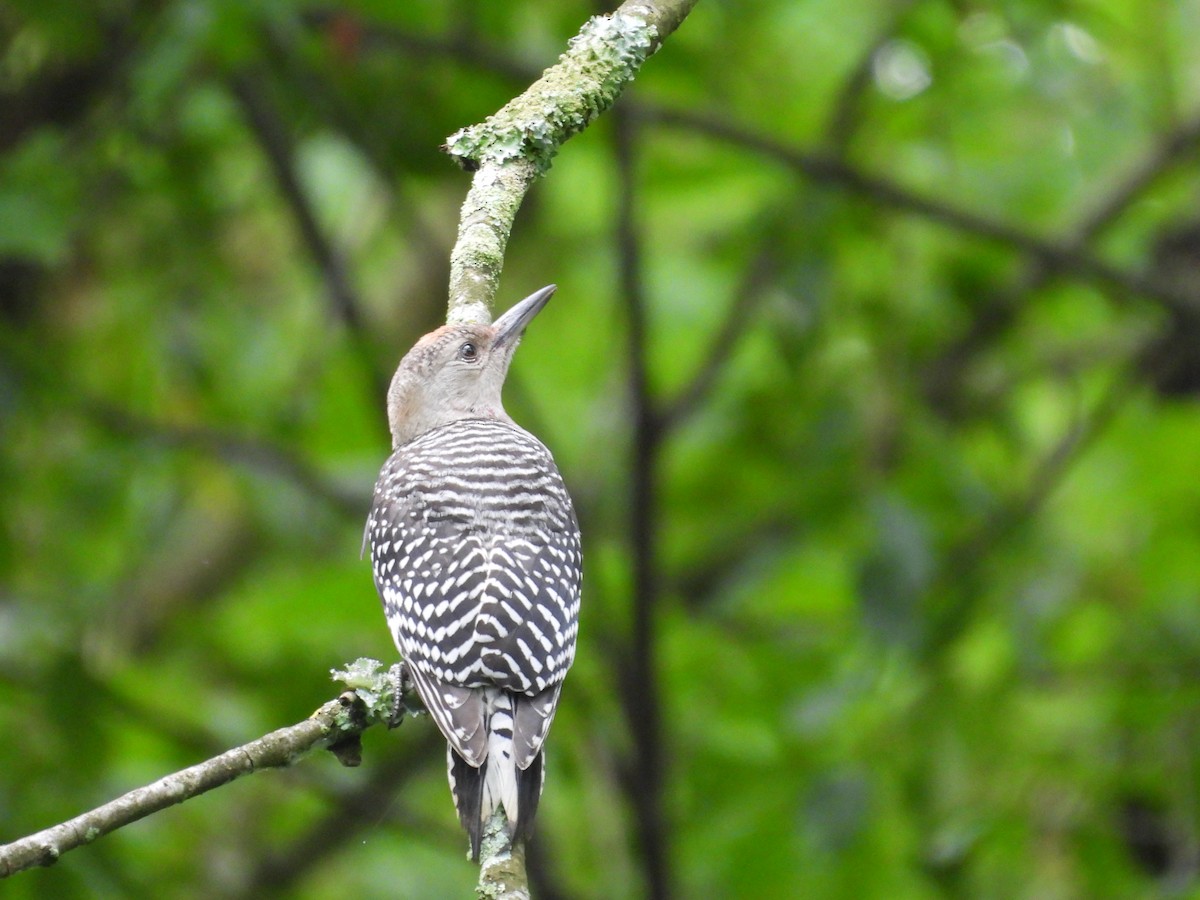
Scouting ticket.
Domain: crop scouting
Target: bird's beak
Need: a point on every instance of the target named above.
(510, 326)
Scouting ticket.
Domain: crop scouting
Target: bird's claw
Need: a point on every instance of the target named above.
(401, 685)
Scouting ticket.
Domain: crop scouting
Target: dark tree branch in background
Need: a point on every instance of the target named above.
(944, 375)
(361, 808)
(62, 94)
(238, 450)
(1173, 149)
(272, 134)
(758, 277)
(844, 119)
(337, 723)
(1055, 258)
(640, 683)
(957, 579)
(1059, 258)
(422, 238)
(958, 576)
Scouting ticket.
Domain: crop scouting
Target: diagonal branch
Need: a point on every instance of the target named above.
(421, 235)
(235, 449)
(756, 280)
(335, 726)
(959, 573)
(1059, 257)
(1171, 150)
(943, 376)
(277, 145)
(840, 127)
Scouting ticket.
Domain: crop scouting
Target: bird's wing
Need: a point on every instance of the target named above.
(480, 577)
(414, 575)
(458, 712)
(531, 724)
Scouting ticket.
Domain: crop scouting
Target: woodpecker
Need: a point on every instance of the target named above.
(476, 555)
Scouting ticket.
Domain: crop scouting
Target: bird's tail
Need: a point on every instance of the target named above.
(498, 780)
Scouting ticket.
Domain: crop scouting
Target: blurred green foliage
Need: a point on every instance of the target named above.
(921, 469)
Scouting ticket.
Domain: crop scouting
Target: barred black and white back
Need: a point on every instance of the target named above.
(476, 554)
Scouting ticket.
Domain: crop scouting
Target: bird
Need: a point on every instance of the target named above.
(476, 555)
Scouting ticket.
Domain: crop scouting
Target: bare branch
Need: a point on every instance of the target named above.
(502, 873)
(336, 725)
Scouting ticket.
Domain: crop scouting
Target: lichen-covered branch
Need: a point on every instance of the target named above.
(335, 726)
(502, 873)
(509, 150)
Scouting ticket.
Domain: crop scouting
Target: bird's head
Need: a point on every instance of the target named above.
(457, 372)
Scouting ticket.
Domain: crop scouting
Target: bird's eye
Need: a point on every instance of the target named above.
(468, 352)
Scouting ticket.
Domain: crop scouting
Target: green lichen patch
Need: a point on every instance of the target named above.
(375, 686)
(588, 78)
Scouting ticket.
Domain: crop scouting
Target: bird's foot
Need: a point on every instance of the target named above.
(401, 684)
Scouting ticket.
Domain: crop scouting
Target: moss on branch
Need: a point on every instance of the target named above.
(599, 61)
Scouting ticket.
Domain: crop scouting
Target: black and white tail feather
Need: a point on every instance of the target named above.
(505, 778)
